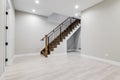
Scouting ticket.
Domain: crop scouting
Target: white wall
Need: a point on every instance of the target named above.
(10, 32)
(73, 43)
(56, 18)
(2, 35)
(101, 30)
(30, 29)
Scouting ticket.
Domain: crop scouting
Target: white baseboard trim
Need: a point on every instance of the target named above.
(27, 54)
(73, 50)
(77, 50)
(10, 62)
(57, 54)
(101, 59)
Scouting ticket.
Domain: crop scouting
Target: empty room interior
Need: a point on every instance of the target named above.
(59, 39)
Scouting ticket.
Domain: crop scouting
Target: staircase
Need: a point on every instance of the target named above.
(57, 35)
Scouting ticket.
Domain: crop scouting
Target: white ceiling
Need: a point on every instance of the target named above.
(47, 7)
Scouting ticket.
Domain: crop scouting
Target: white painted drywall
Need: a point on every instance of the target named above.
(78, 40)
(7, 5)
(101, 30)
(57, 18)
(29, 31)
(2, 35)
(10, 33)
(73, 43)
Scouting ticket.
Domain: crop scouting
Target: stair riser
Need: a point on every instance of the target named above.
(60, 38)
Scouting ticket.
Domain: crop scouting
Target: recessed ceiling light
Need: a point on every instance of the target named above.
(33, 10)
(37, 1)
(76, 14)
(76, 6)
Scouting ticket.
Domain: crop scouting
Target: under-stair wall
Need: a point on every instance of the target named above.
(74, 42)
(62, 48)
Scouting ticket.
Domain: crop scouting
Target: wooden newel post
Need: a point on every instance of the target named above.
(46, 46)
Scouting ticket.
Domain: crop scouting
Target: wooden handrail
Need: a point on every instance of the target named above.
(56, 27)
(58, 34)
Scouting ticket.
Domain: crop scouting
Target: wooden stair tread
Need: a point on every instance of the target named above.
(60, 37)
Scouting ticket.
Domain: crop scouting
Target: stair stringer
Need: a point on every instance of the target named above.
(62, 48)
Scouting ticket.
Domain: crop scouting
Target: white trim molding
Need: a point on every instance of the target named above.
(10, 62)
(26, 54)
(73, 50)
(101, 59)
